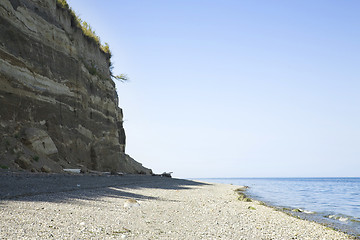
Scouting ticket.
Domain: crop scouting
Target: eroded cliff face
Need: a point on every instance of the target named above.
(58, 103)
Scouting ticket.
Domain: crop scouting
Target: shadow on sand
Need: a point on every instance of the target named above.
(63, 187)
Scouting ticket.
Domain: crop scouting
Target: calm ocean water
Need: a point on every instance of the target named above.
(333, 201)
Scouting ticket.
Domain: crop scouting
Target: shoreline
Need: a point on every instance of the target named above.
(164, 208)
(311, 205)
(299, 214)
(316, 218)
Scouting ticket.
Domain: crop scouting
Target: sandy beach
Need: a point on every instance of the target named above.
(98, 207)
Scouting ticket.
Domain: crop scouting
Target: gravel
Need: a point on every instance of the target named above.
(97, 207)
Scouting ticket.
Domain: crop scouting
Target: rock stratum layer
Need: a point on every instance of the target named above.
(58, 103)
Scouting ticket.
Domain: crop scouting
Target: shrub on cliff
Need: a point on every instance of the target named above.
(105, 48)
(122, 77)
(84, 26)
(63, 4)
(90, 34)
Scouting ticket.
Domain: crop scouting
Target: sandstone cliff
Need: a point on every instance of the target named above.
(58, 103)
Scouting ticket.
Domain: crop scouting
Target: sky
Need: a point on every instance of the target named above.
(225, 88)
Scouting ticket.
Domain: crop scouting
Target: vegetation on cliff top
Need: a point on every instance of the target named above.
(84, 26)
(90, 34)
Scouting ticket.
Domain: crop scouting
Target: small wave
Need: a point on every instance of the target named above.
(308, 212)
(302, 211)
(339, 218)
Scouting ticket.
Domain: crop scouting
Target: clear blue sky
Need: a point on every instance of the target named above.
(222, 88)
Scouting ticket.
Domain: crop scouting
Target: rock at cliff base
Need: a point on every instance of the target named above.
(39, 141)
(24, 162)
(46, 169)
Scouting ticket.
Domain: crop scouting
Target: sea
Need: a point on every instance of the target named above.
(334, 202)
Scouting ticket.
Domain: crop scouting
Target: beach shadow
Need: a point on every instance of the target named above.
(63, 188)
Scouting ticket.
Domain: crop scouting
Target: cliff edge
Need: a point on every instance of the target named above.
(58, 103)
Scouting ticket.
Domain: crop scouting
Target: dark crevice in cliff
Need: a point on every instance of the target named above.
(15, 4)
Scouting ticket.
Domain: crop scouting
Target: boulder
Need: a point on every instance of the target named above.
(46, 169)
(84, 169)
(24, 162)
(39, 141)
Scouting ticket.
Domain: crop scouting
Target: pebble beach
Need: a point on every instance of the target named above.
(139, 207)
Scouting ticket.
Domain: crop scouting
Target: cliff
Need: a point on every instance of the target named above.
(58, 103)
